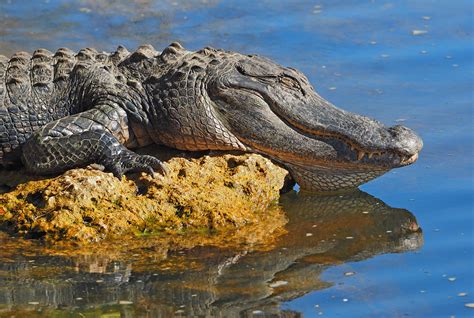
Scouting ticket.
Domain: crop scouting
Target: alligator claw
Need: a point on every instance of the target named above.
(132, 162)
(148, 164)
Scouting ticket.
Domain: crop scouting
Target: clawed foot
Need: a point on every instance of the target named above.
(131, 162)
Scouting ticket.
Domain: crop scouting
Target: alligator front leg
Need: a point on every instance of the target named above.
(93, 136)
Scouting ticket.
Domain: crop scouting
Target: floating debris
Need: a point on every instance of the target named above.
(257, 312)
(309, 234)
(33, 303)
(388, 231)
(423, 51)
(422, 291)
(99, 281)
(451, 279)
(469, 305)
(462, 294)
(418, 32)
(85, 10)
(455, 65)
(78, 298)
(365, 212)
(373, 42)
(345, 300)
(349, 237)
(349, 273)
(278, 283)
(125, 302)
(332, 88)
(384, 55)
(426, 18)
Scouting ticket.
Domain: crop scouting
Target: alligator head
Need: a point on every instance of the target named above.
(250, 103)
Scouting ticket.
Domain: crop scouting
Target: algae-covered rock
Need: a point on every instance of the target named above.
(210, 192)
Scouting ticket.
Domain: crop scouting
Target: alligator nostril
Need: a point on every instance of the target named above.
(413, 226)
(406, 140)
(398, 129)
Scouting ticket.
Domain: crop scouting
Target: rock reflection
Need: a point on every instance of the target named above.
(210, 282)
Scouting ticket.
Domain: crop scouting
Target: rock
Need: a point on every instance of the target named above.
(84, 205)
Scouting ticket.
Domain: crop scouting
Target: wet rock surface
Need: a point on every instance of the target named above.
(210, 193)
(166, 277)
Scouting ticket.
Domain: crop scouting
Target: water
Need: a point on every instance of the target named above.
(361, 55)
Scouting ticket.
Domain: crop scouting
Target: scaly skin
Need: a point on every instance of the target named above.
(65, 110)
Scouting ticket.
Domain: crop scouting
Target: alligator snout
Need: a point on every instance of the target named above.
(405, 140)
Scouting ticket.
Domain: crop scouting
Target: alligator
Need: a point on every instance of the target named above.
(66, 110)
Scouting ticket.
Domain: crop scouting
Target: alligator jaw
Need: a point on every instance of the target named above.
(323, 178)
(355, 138)
(353, 166)
(409, 160)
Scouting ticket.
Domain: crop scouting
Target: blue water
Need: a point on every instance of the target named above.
(363, 57)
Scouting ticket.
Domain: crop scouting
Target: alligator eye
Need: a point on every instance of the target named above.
(240, 69)
(290, 82)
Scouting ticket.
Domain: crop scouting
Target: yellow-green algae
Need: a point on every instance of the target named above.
(233, 195)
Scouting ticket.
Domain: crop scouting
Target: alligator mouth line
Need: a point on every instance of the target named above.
(404, 160)
(361, 152)
(356, 148)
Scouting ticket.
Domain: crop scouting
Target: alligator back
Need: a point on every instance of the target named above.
(37, 89)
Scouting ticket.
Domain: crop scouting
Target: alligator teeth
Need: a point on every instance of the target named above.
(360, 155)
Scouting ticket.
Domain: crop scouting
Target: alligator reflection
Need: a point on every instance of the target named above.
(322, 231)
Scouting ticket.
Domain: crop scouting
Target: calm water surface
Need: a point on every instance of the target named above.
(356, 255)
